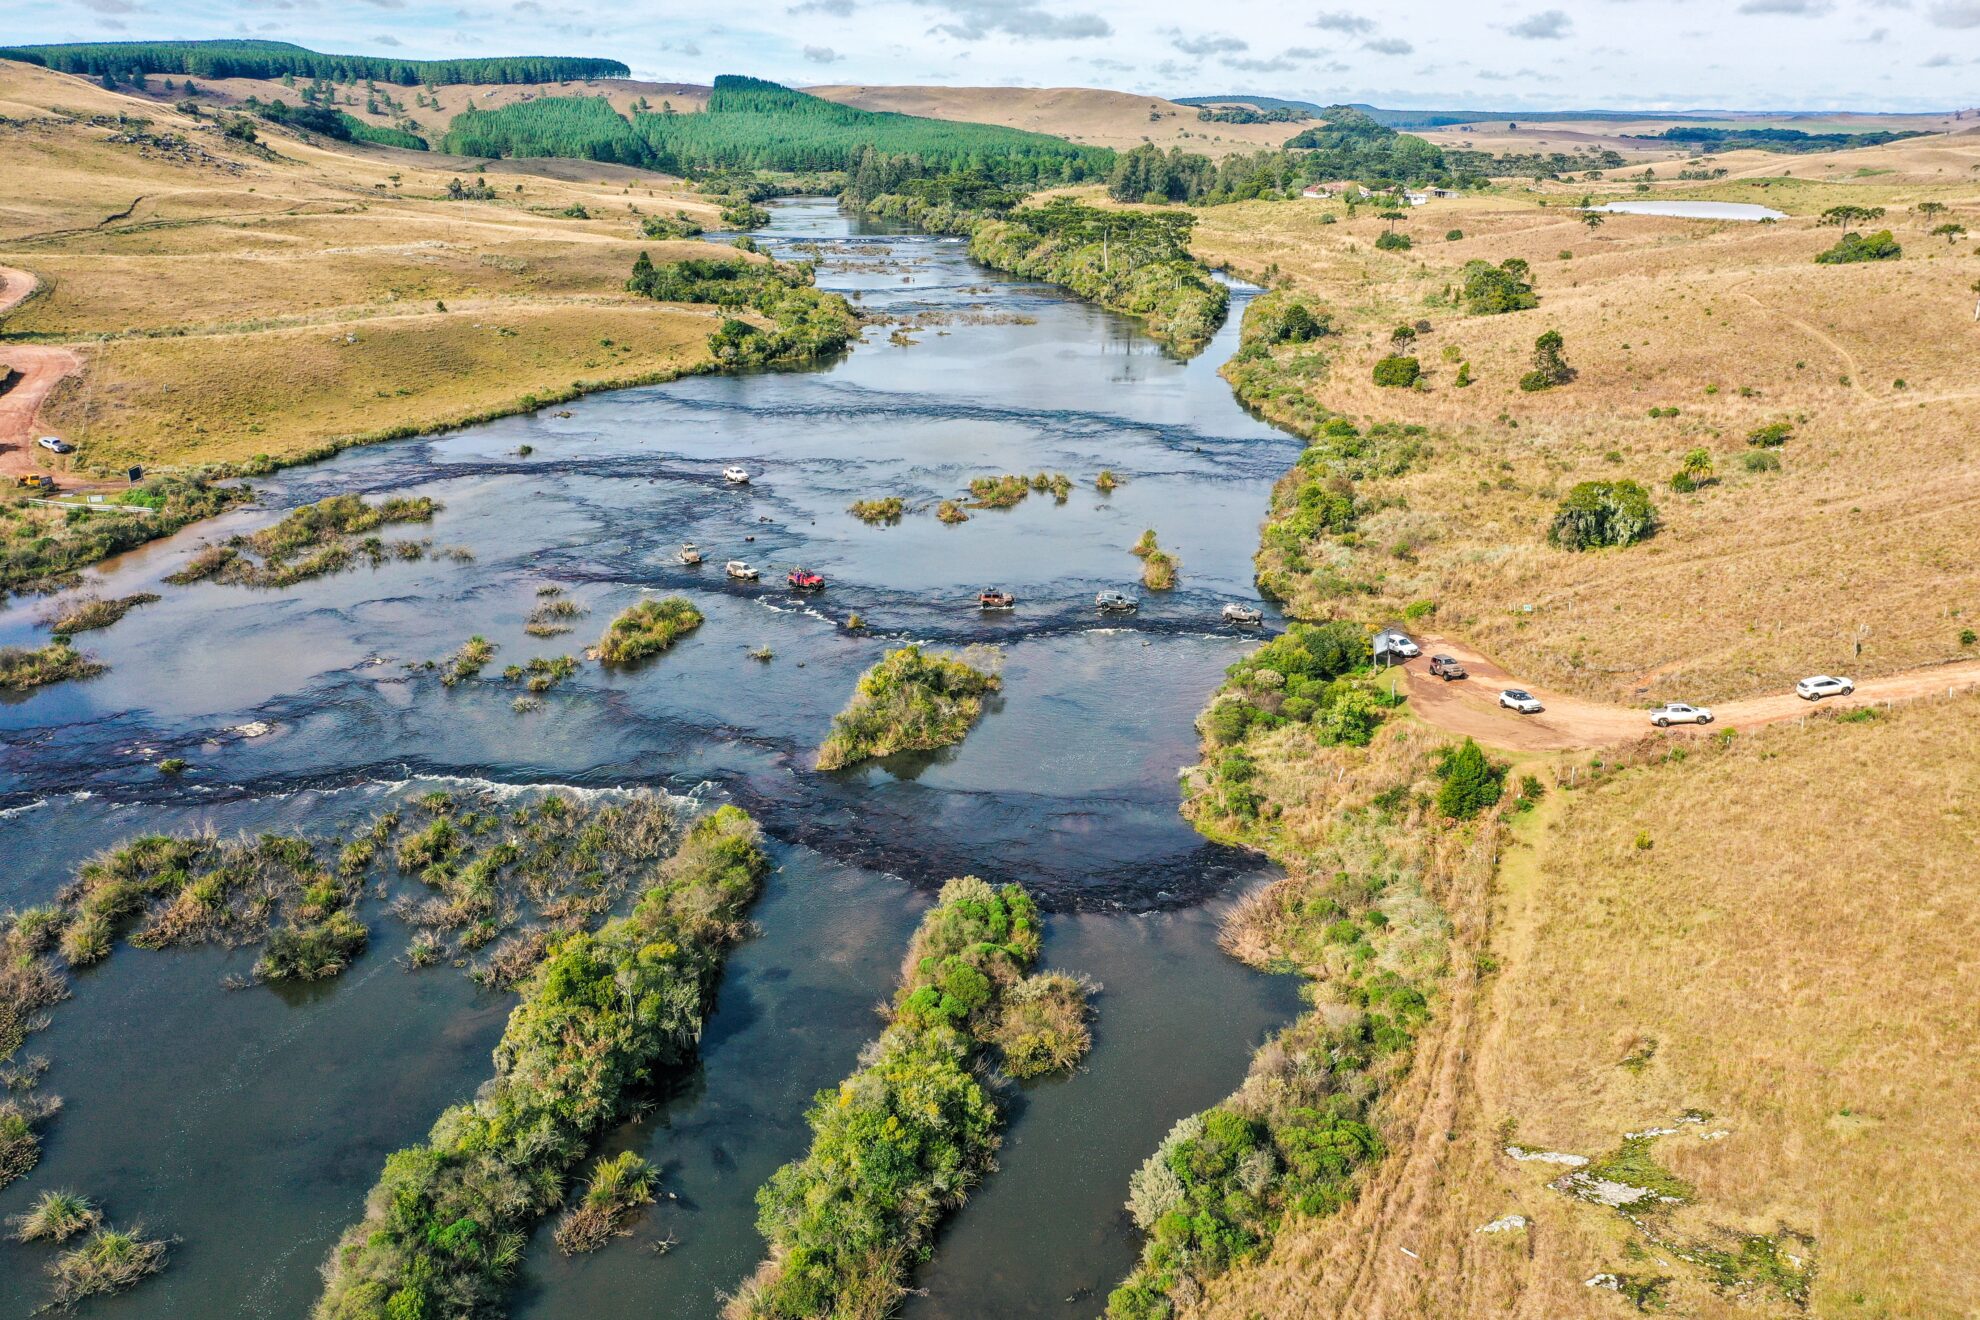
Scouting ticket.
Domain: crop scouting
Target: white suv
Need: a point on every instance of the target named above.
(1676, 712)
(1521, 700)
(1822, 685)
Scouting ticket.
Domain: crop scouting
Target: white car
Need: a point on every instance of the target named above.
(1521, 700)
(1676, 712)
(56, 445)
(736, 476)
(1822, 685)
(1399, 644)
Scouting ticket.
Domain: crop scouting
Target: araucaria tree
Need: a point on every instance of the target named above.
(1550, 368)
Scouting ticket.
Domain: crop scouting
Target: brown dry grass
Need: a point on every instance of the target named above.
(1807, 987)
(225, 274)
(1086, 115)
(1864, 537)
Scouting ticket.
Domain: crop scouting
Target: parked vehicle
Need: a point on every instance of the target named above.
(803, 580)
(1676, 712)
(735, 476)
(740, 570)
(995, 598)
(1115, 602)
(1521, 700)
(1823, 685)
(1396, 643)
(1243, 614)
(55, 444)
(689, 553)
(1446, 667)
(36, 481)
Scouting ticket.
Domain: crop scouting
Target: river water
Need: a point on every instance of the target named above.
(250, 1124)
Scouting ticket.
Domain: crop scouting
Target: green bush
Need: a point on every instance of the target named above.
(1391, 241)
(1603, 513)
(1471, 782)
(1491, 290)
(1880, 246)
(1396, 372)
(1771, 436)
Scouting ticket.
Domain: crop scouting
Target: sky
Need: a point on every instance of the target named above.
(1895, 55)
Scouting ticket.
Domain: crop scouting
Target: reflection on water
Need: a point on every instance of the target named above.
(252, 1124)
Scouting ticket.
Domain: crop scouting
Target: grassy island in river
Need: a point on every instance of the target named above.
(912, 701)
(899, 1143)
(446, 1224)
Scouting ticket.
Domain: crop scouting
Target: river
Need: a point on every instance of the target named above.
(250, 1124)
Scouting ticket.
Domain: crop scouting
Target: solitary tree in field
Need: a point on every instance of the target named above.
(1593, 219)
(1927, 210)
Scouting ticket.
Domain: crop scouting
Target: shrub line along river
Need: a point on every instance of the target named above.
(252, 1123)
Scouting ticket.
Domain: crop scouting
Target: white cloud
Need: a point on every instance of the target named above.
(1339, 20)
(836, 8)
(1552, 25)
(822, 55)
(1210, 43)
(1793, 8)
(1388, 46)
(1024, 19)
(1955, 14)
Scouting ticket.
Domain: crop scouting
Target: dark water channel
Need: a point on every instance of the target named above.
(250, 1124)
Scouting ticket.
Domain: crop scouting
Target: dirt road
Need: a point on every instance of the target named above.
(15, 286)
(1470, 705)
(42, 368)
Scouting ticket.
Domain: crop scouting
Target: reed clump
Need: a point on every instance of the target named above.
(648, 628)
(470, 660)
(22, 668)
(92, 612)
(55, 1216)
(315, 540)
(619, 1186)
(553, 613)
(999, 492)
(887, 509)
(111, 1261)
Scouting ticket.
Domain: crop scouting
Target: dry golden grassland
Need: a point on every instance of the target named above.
(229, 304)
(1811, 987)
(1086, 115)
(1865, 535)
(1657, 947)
